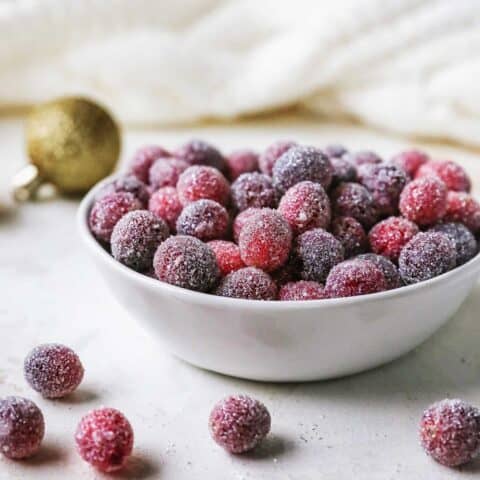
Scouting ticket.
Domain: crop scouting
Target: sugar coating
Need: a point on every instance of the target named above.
(228, 256)
(253, 190)
(240, 220)
(301, 290)
(354, 277)
(305, 206)
(335, 151)
(241, 161)
(126, 183)
(463, 208)
(351, 199)
(316, 252)
(136, 237)
(53, 370)
(198, 152)
(465, 244)
(199, 182)
(239, 423)
(389, 236)
(452, 174)
(265, 240)
(410, 161)
(272, 153)
(165, 172)
(104, 438)
(424, 201)
(249, 283)
(186, 262)
(363, 157)
(343, 170)
(107, 211)
(425, 256)
(385, 182)
(299, 164)
(390, 271)
(143, 159)
(21, 427)
(165, 204)
(204, 219)
(450, 432)
(351, 235)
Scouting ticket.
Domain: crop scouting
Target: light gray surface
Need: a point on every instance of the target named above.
(362, 427)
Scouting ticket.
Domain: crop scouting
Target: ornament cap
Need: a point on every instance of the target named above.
(26, 183)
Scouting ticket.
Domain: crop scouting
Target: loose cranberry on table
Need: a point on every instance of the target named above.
(249, 283)
(241, 161)
(351, 235)
(22, 427)
(272, 153)
(165, 172)
(453, 175)
(390, 271)
(143, 159)
(253, 190)
(410, 161)
(228, 256)
(463, 208)
(239, 423)
(198, 152)
(53, 370)
(301, 290)
(104, 438)
(240, 219)
(165, 204)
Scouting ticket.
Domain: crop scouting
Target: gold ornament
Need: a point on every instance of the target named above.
(72, 143)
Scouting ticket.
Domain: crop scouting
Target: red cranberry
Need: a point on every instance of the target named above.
(143, 159)
(354, 277)
(228, 256)
(449, 432)
(249, 283)
(239, 423)
(301, 290)
(351, 235)
(240, 220)
(241, 161)
(165, 172)
(452, 174)
(465, 243)
(392, 277)
(197, 152)
(165, 204)
(265, 240)
(389, 236)
(463, 208)
(204, 219)
(305, 206)
(199, 182)
(104, 438)
(267, 159)
(426, 255)
(410, 161)
(253, 190)
(53, 370)
(424, 201)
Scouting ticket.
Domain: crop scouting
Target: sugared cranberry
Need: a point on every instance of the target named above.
(286, 273)
(316, 252)
(198, 152)
(253, 190)
(239, 423)
(204, 219)
(265, 240)
(354, 200)
(389, 236)
(104, 438)
(126, 183)
(452, 174)
(301, 290)
(363, 157)
(241, 161)
(199, 182)
(465, 243)
(53, 370)
(450, 432)
(165, 172)
(186, 262)
(351, 235)
(165, 204)
(143, 159)
(228, 256)
(354, 277)
(21, 427)
(267, 159)
(335, 151)
(136, 237)
(463, 208)
(410, 161)
(249, 283)
(385, 182)
(343, 170)
(240, 220)
(390, 271)
(305, 206)
(426, 255)
(107, 211)
(424, 201)
(299, 164)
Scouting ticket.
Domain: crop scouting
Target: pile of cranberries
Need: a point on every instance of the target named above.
(293, 223)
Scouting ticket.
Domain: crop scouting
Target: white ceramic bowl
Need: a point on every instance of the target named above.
(283, 341)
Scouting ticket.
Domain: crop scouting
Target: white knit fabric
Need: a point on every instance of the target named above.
(410, 66)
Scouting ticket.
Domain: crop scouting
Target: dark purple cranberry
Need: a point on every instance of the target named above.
(249, 283)
(465, 243)
(393, 278)
(351, 235)
(253, 190)
(272, 153)
(198, 152)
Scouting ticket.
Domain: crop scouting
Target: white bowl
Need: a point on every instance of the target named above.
(283, 341)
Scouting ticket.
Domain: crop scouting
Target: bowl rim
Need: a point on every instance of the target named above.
(215, 300)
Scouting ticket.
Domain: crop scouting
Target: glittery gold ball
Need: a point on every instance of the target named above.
(73, 142)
